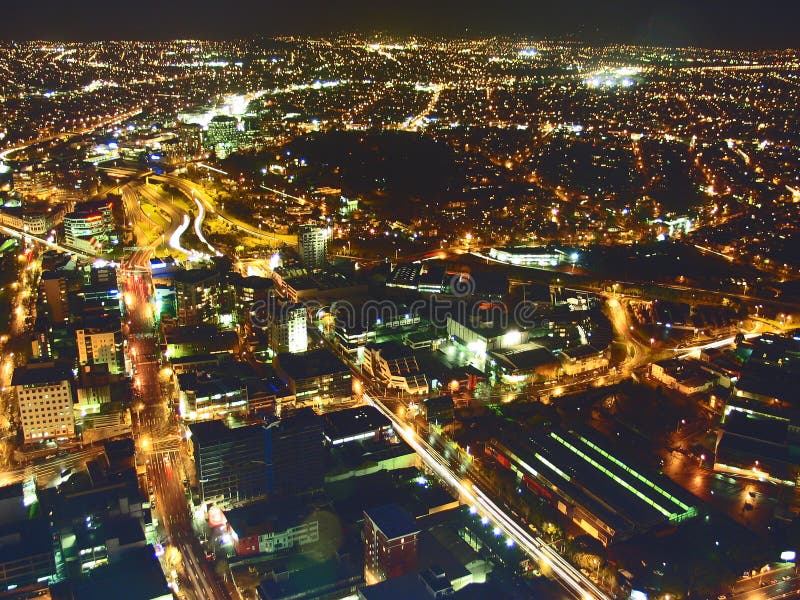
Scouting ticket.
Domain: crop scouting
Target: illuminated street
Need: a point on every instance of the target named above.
(401, 301)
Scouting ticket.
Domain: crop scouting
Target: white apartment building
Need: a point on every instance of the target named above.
(44, 394)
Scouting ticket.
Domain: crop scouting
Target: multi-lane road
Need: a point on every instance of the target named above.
(571, 579)
(204, 204)
(198, 579)
(154, 425)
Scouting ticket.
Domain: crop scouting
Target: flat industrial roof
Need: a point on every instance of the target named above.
(610, 487)
(353, 421)
(313, 363)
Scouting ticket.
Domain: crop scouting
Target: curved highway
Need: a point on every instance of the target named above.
(197, 194)
(198, 226)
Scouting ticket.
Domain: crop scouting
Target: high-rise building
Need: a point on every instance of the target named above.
(223, 135)
(53, 288)
(99, 341)
(285, 459)
(288, 328)
(229, 462)
(295, 455)
(197, 295)
(390, 543)
(44, 395)
(312, 244)
(248, 295)
(85, 230)
(191, 134)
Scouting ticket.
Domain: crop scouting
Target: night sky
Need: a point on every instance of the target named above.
(714, 23)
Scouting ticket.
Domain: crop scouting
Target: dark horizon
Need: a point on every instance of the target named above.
(713, 24)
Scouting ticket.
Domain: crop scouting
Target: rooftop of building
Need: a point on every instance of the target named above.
(252, 282)
(410, 585)
(86, 205)
(101, 323)
(93, 375)
(528, 250)
(405, 275)
(29, 209)
(195, 276)
(205, 385)
(302, 418)
(40, 373)
(391, 350)
(22, 539)
(322, 576)
(421, 587)
(345, 457)
(417, 337)
(58, 274)
(488, 320)
(327, 279)
(13, 490)
(84, 494)
(313, 363)
(207, 359)
(753, 450)
(773, 346)
(687, 371)
(582, 351)
(439, 402)
(209, 432)
(127, 531)
(147, 583)
(613, 488)
(353, 421)
(196, 333)
(266, 516)
(524, 357)
(763, 409)
(393, 520)
(771, 431)
(768, 381)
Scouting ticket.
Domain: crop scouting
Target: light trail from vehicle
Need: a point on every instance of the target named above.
(569, 577)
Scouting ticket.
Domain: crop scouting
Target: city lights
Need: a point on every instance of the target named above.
(530, 297)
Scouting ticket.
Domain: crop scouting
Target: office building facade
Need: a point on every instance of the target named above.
(296, 455)
(390, 543)
(312, 244)
(45, 398)
(86, 230)
(229, 462)
(289, 329)
(100, 343)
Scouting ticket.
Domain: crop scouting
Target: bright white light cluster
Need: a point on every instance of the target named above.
(612, 78)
